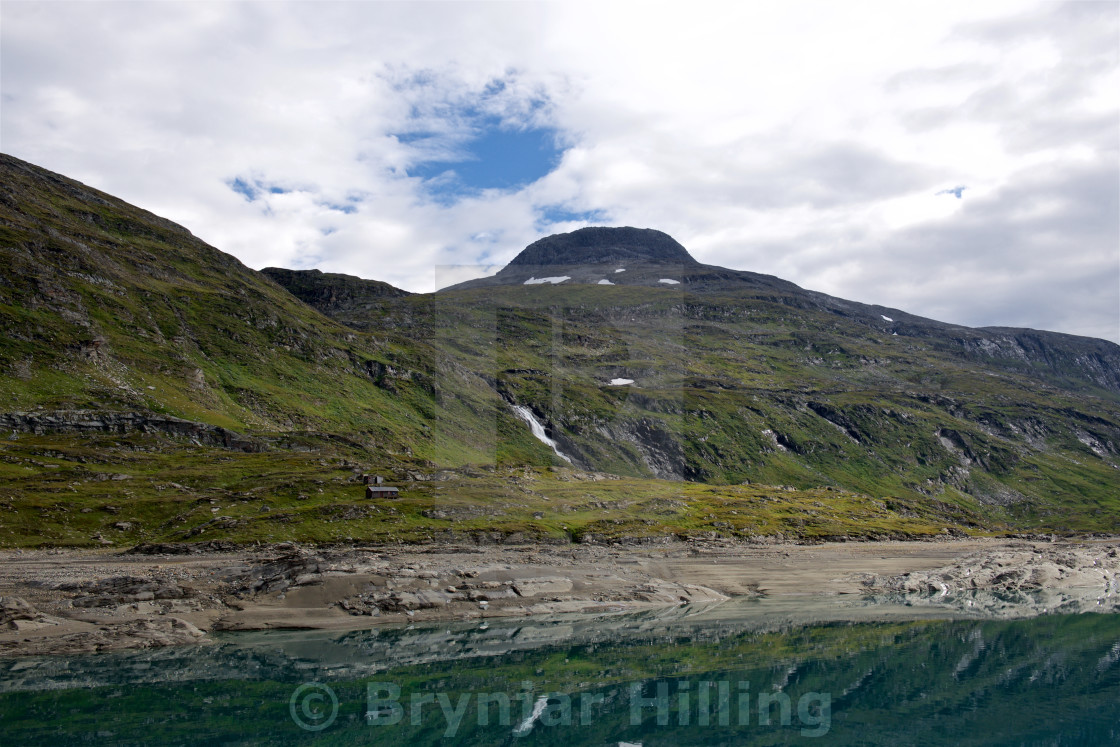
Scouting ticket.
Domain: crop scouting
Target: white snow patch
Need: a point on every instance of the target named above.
(670, 282)
(538, 430)
(555, 281)
(604, 281)
(621, 382)
(886, 318)
(621, 269)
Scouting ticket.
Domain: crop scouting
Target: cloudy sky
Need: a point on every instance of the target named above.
(958, 160)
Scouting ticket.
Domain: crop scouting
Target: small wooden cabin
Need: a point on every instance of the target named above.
(375, 488)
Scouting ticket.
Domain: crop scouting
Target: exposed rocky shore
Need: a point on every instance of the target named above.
(55, 601)
(1021, 567)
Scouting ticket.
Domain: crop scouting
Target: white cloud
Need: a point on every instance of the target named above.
(802, 140)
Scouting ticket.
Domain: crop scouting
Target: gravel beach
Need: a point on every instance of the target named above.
(65, 601)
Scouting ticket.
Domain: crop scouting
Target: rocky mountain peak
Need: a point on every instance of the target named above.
(601, 244)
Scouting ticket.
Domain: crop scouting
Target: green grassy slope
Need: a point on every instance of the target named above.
(730, 389)
(106, 307)
(109, 309)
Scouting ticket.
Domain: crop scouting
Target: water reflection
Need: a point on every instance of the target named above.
(952, 669)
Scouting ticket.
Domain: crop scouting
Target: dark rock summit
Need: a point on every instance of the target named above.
(602, 255)
(329, 290)
(597, 245)
(343, 297)
(351, 300)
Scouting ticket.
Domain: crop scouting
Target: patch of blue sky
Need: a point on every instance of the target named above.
(495, 157)
(243, 188)
(554, 214)
(463, 140)
(251, 189)
(408, 138)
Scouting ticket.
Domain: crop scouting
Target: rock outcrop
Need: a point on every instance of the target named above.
(1030, 568)
(95, 421)
(600, 245)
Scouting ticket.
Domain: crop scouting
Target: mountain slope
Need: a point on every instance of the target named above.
(153, 388)
(108, 308)
(739, 378)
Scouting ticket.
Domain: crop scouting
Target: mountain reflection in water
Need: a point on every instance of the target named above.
(957, 669)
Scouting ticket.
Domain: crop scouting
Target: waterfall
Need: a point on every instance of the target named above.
(526, 726)
(538, 430)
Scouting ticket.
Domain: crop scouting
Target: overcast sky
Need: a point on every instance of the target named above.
(822, 142)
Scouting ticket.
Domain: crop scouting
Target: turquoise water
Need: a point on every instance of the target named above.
(816, 671)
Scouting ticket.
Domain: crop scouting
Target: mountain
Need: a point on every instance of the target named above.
(175, 393)
(601, 244)
(738, 376)
(108, 307)
(134, 350)
(644, 257)
(345, 298)
(619, 256)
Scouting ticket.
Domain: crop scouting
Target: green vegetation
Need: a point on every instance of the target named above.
(738, 390)
(123, 490)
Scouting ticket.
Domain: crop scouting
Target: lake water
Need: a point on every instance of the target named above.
(962, 670)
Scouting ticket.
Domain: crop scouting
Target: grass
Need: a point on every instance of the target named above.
(108, 308)
(87, 491)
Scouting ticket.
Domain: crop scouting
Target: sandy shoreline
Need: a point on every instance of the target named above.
(59, 601)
